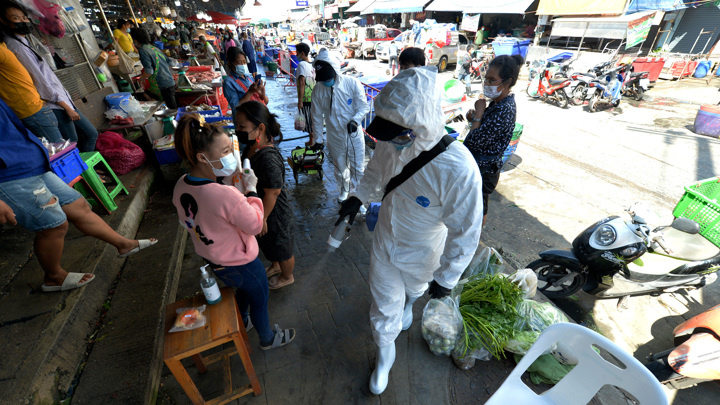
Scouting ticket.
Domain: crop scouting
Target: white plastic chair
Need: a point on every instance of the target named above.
(592, 372)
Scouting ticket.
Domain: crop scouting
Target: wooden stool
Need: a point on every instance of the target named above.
(223, 325)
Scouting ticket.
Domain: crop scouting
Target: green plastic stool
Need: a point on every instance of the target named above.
(103, 194)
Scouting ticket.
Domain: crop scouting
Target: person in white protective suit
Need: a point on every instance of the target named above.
(340, 100)
(429, 226)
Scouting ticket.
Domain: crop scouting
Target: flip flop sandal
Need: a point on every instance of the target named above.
(272, 272)
(72, 281)
(274, 283)
(282, 337)
(142, 244)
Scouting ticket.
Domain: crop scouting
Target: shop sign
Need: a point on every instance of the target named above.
(470, 22)
(638, 30)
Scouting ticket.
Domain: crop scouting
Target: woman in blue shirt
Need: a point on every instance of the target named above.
(239, 85)
(157, 68)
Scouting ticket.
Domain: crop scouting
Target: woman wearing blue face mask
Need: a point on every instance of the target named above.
(239, 86)
(222, 222)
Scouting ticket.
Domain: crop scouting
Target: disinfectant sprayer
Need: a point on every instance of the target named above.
(342, 230)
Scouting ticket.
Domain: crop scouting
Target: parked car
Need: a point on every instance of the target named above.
(381, 50)
(447, 55)
(370, 37)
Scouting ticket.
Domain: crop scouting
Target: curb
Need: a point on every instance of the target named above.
(66, 334)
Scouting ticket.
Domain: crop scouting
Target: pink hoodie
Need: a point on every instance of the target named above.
(222, 222)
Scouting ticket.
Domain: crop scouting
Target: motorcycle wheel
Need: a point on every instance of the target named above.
(592, 105)
(527, 90)
(577, 97)
(561, 98)
(548, 273)
(639, 93)
(616, 103)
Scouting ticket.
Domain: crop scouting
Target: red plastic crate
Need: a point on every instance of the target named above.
(652, 65)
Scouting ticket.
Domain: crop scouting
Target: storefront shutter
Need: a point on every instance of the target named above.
(694, 21)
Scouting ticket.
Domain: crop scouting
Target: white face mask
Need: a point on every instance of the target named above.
(242, 70)
(491, 92)
(229, 165)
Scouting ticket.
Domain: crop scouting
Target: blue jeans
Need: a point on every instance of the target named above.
(251, 284)
(44, 124)
(81, 131)
(29, 199)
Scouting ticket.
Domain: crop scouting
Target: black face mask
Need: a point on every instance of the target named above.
(243, 137)
(23, 28)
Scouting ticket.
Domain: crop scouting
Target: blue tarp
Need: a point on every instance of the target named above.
(662, 5)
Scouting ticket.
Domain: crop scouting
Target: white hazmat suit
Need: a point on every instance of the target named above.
(428, 227)
(345, 101)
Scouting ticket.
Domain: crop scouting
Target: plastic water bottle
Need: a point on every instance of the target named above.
(209, 286)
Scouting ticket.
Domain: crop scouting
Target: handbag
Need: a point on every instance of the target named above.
(127, 64)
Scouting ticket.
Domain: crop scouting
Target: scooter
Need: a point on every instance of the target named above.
(696, 355)
(581, 83)
(636, 84)
(606, 89)
(478, 68)
(614, 258)
(549, 88)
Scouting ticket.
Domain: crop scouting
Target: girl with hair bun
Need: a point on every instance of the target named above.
(493, 125)
(223, 222)
(277, 238)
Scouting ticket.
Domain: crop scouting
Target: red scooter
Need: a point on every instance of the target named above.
(548, 88)
(696, 356)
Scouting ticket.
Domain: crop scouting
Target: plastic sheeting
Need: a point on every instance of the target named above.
(481, 6)
(663, 5)
(395, 6)
(581, 7)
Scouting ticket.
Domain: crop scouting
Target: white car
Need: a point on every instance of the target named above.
(381, 50)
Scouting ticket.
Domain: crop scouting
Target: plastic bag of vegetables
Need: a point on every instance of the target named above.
(465, 359)
(487, 262)
(441, 325)
(534, 318)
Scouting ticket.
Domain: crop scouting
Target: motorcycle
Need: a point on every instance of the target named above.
(478, 68)
(636, 84)
(696, 354)
(581, 83)
(546, 87)
(614, 258)
(606, 89)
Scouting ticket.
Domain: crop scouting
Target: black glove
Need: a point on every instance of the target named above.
(349, 208)
(352, 127)
(437, 291)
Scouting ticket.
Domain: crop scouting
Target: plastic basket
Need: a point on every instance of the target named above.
(167, 156)
(68, 166)
(700, 203)
(183, 110)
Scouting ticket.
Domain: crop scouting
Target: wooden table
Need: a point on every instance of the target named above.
(223, 325)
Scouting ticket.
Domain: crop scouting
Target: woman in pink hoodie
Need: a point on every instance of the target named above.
(223, 222)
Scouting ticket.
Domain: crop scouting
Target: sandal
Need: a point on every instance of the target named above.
(269, 271)
(142, 244)
(282, 337)
(274, 283)
(72, 281)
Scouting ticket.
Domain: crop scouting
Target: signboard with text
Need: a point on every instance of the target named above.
(470, 22)
(301, 3)
(638, 30)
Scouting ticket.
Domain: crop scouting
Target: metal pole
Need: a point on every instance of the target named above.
(587, 25)
(107, 25)
(708, 41)
(656, 37)
(132, 13)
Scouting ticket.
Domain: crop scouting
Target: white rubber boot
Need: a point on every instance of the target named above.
(407, 318)
(379, 377)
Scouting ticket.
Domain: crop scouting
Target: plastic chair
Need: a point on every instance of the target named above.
(99, 193)
(592, 372)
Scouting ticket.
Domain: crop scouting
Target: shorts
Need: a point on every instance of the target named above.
(307, 114)
(28, 198)
(393, 59)
(489, 182)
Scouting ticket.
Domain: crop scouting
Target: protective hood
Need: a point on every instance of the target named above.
(411, 100)
(324, 55)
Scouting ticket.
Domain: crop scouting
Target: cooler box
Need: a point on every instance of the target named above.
(652, 65)
(707, 121)
(511, 46)
(67, 164)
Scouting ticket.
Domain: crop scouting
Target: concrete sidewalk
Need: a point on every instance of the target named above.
(688, 90)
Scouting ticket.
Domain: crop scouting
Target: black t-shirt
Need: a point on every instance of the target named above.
(269, 167)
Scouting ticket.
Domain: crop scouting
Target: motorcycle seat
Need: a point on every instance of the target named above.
(687, 246)
(556, 82)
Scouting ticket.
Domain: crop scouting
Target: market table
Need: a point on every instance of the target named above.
(149, 108)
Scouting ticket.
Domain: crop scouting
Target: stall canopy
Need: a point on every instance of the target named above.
(662, 5)
(395, 6)
(481, 6)
(581, 7)
(596, 27)
(216, 18)
(360, 6)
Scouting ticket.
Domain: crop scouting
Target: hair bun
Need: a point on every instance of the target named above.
(518, 59)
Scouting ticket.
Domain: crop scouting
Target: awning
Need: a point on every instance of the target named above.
(662, 5)
(481, 6)
(395, 6)
(581, 7)
(360, 6)
(595, 27)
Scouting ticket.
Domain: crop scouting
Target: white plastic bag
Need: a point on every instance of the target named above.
(299, 122)
(115, 112)
(526, 279)
(189, 318)
(441, 325)
(487, 262)
(535, 317)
